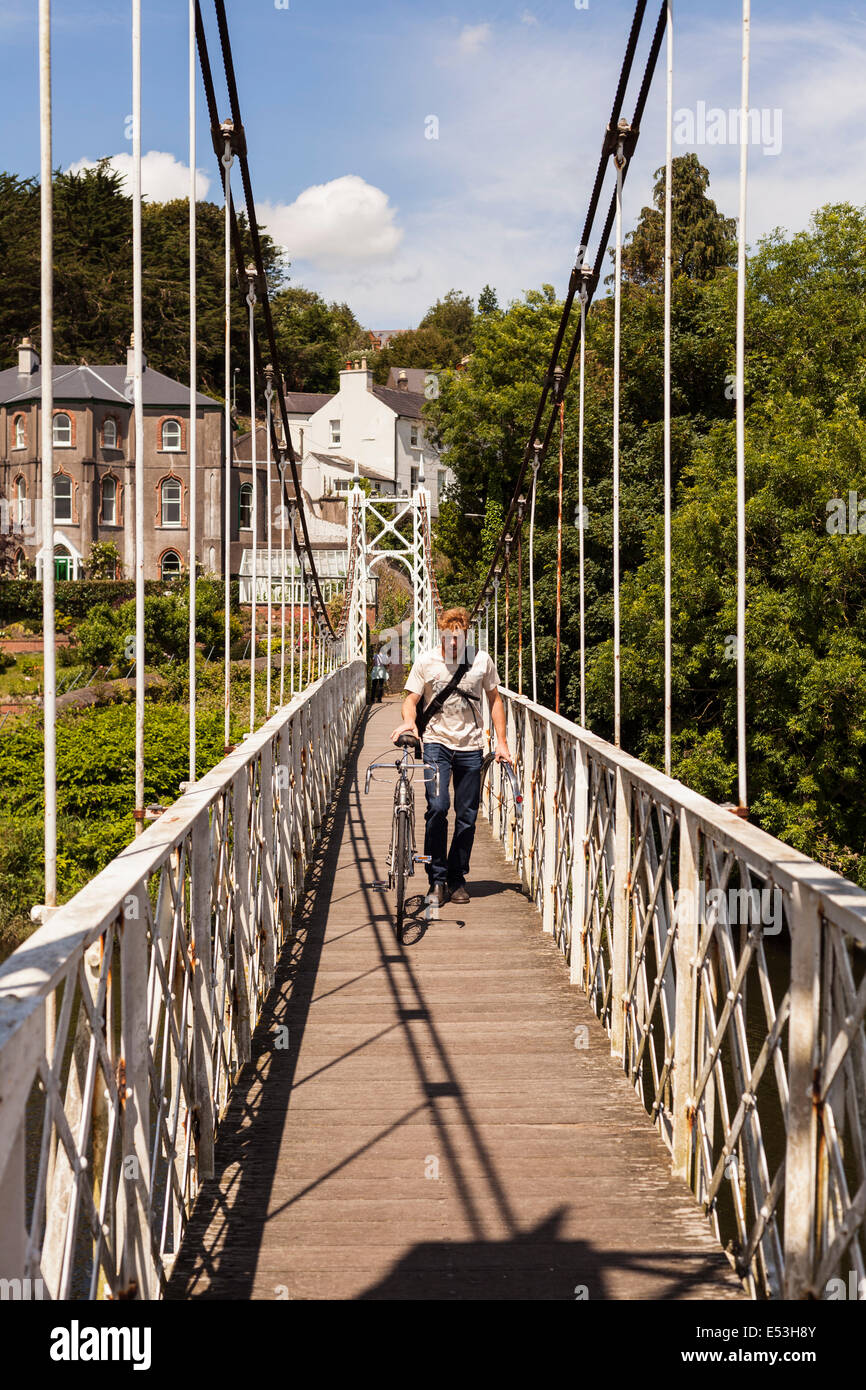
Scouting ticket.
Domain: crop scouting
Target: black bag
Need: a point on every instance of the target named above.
(423, 717)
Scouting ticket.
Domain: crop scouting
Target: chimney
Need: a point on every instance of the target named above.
(357, 378)
(28, 358)
(402, 380)
(130, 359)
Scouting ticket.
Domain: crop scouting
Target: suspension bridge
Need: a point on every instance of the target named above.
(616, 1073)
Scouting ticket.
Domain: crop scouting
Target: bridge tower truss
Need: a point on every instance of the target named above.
(385, 527)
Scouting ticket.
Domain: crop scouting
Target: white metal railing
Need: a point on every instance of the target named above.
(730, 973)
(125, 1020)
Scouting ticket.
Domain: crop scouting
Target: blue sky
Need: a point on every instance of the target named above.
(337, 97)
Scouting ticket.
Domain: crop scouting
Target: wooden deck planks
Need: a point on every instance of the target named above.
(431, 1131)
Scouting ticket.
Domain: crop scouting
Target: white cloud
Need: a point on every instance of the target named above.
(503, 191)
(472, 37)
(344, 222)
(528, 17)
(162, 176)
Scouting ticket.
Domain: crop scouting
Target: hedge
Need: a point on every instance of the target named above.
(74, 598)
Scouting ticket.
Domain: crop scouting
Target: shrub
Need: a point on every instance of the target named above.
(100, 638)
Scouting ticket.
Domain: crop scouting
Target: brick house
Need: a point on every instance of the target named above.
(94, 467)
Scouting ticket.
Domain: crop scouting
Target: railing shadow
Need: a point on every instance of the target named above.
(224, 1236)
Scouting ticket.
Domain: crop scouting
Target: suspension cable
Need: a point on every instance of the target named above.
(138, 409)
(228, 64)
(227, 161)
(507, 610)
(580, 506)
(667, 367)
(254, 472)
(535, 467)
(46, 238)
(559, 558)
(269, 392)
(611, 139)
(292, 639)
(238, 144)
(282, 594)
(193, 411)
(520, 600)
(619, 160)
(740, 416)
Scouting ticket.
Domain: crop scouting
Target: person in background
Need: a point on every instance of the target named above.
(378, 676)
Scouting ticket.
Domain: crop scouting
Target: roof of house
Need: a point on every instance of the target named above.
(307, 402)
(408, 403)
(348, 465)
(416, 379)
(97, 383)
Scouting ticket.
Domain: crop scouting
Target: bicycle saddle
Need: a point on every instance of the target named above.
(410, 741)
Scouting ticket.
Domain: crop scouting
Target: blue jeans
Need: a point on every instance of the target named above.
(465, 768)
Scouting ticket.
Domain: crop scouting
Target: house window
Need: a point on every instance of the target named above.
(170, 565)
(342, 484)
(170, 497)
(62, 430)
(415, 436)
(335, 432)
(20, 504)
(245, 506)
(109, 433)
(413, 479)
(20, 564)
(171, 435)
(62, 495)
(109, 501)
(20, 432)
(440, 483)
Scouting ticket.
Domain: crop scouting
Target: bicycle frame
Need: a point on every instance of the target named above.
(404, 805)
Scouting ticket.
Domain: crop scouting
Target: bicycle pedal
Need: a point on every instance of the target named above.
(380, 883)
(422, 858)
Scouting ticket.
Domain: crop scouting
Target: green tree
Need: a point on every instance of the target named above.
(93, 275)
(702, 240)
(443, 337)
(488, 302)
(313, 339)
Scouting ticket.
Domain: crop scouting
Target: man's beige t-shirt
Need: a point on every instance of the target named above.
(459, 725)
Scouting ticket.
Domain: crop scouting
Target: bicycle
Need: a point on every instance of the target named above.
(402, 856)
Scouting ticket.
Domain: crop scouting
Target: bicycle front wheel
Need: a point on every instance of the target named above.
(400, 868)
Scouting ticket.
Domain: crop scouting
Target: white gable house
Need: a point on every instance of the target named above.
(378, 427)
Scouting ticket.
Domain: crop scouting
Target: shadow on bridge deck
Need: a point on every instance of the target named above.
(431, 1131)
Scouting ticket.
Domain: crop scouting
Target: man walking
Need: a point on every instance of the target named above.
(450, 678)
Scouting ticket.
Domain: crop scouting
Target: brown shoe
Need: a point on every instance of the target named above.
(438, 894)
(459, 895)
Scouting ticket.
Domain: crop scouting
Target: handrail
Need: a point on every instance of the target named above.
(125, 1019)
(730, 974)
